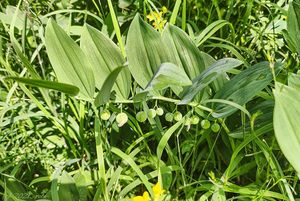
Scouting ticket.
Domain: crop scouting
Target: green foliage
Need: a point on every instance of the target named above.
(69, 62)
(65, 88)
(293, 27)
(123, 108)
(286, 125)
(105, 57)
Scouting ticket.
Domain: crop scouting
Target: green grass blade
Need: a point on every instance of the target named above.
(65, 88)
(100, 157)
(165, 138)
(134, 166)
(210, 30)
(175, 12)
(116, 27)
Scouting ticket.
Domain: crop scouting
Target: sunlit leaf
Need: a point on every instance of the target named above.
(146, 51)
(168, 75)
(293, 26)
(184, 52)
(286, 122)
(105, 56)
(68, 60)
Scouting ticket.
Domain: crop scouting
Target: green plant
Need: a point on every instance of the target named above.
(148, 108)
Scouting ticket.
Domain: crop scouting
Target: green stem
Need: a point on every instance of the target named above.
(192, 104)
(183, 25)
(99, 132)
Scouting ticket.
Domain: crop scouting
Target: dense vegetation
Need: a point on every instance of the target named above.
(149, 100)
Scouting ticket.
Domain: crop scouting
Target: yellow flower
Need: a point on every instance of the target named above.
(157, 190)
(164, 9)
(159, 25)
(158, 20)
(151, 16)
(145, 197)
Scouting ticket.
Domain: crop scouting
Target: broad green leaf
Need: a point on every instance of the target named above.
(68, 60)
(262, 114)
(146, 51)
(65, 88)
(103, 95)
(243, 87)
(83, 179)
(228, 103)
(105, 56)
(294, 81)
(184, 52)
(168, 75)
(290, 41)
(67, 188)
(12, 190)
(53, 141)
(286, 122)
(7, 17)
(293, 26)
(209, 75)
(219, 195)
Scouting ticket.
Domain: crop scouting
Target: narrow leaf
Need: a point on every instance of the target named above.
(244, 86)
(165, 138)
(210, 30)
(62, 87)
(209, 75)
(134, 166)
(103, 95)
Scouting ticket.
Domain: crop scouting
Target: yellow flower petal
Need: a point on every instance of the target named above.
(164, 9)
(157, 190)
(157, 15)
(151, 17)
(138, 198)
(146, 196)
